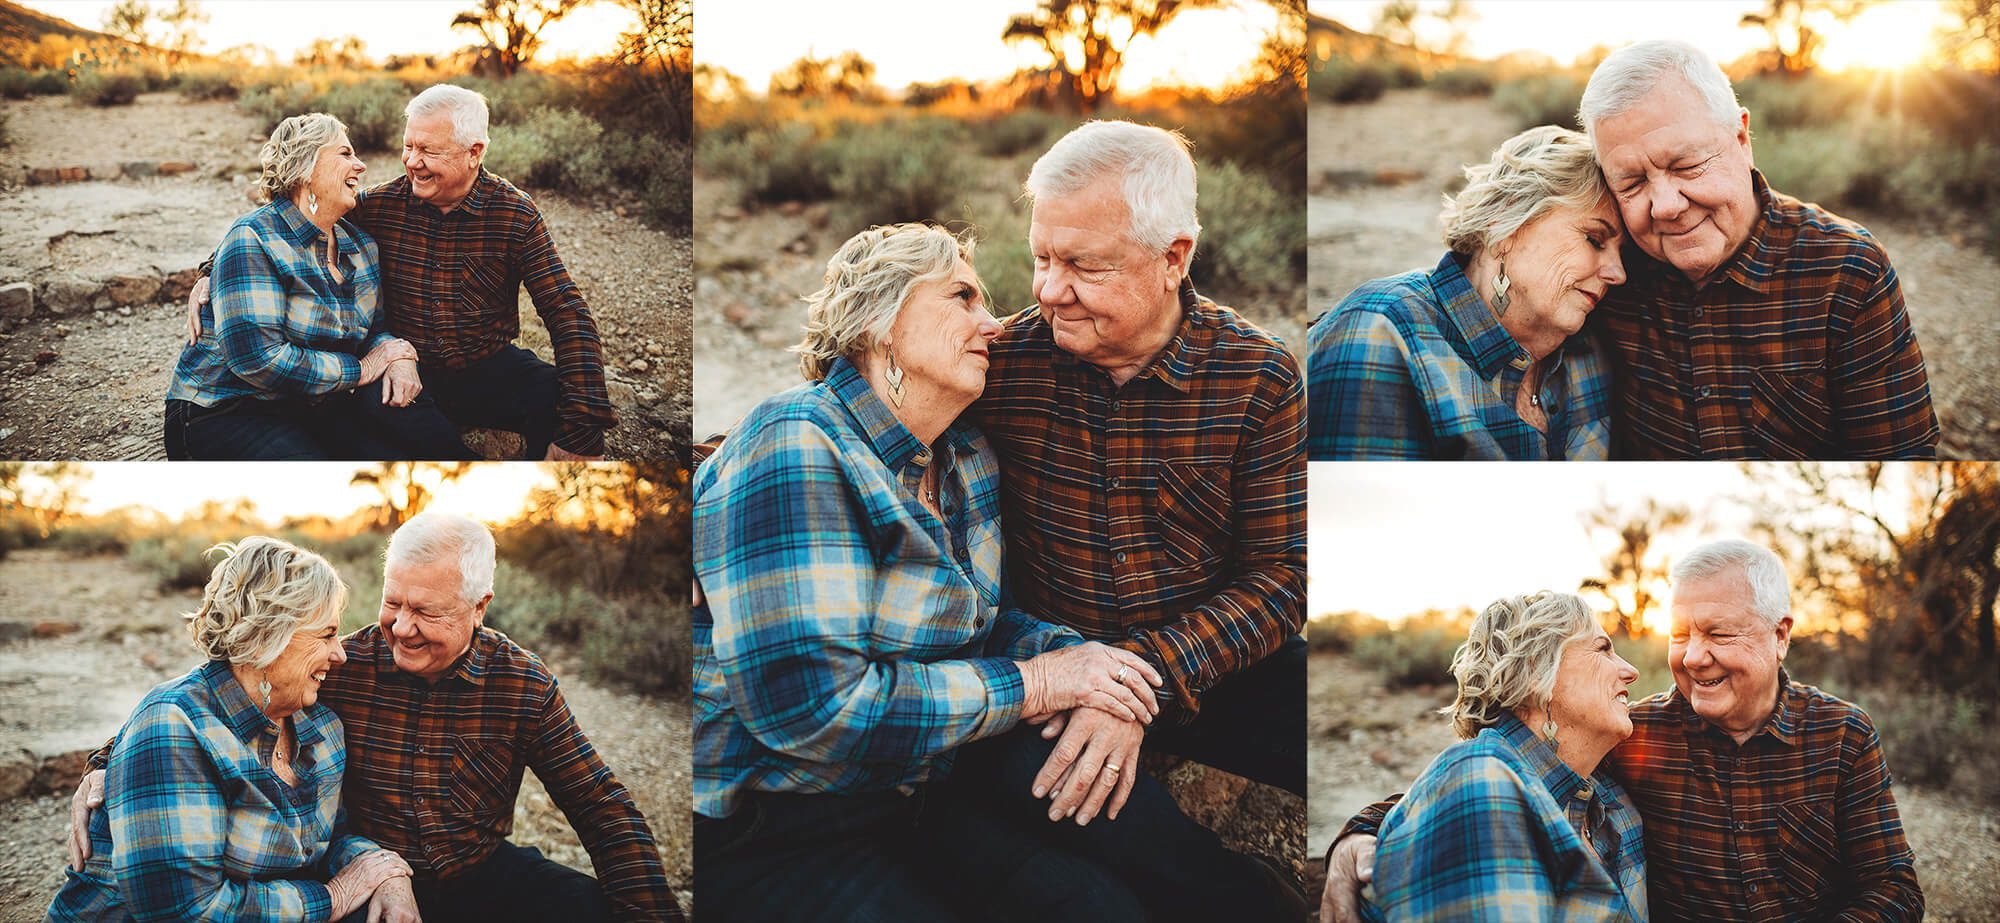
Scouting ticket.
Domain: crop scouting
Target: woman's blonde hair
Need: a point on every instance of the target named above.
(289, 156)
(261, 592)
(1532, 173)
(1510, 656)
(866, 283)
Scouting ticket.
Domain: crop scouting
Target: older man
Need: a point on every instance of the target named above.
(1763, 798)
(457, 245)
(1152, 451)
(442, 715)
(1756, 325)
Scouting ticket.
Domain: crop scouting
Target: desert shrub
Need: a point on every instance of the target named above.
(1797, 102)
(15, 82)
(208, 83)
(94, 535)
(373, 111)
(1464, 80)
(1648, 655)
(1415, 653)
(551, 149)
(773, 164)
(1015, 132)
(277, 100)
(1253, 236)
(1337, 632)
(99, 86)
(1541, 99)
(643, 644)
(175, 557)
(1340, 80)
(1935, 739)
(897, 171)
(1003, 260)
(18, 530)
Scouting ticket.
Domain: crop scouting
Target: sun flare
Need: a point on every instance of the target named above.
(1892, 36)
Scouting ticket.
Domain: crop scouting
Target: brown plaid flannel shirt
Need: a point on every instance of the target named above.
(451, 280)
(1797, 823)
(1799, 348)
(1166, 516)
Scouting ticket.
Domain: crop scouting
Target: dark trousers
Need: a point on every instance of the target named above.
(1252, 724)
(510, 390)
(355, 425)
(887, 857)
(514, 884)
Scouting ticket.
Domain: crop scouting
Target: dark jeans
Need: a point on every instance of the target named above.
(514, 884)
(1252, 724)
(290, 428)
(510, 390)
(887, 857)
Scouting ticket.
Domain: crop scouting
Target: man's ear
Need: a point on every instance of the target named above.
(479, 611)
(478, 152)
(1784, 630)
(1179, 254)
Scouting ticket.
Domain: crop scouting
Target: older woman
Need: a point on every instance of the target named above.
(1517, 821)
(855, 633)
(296, 326)
(225, 784)
(1482, 356)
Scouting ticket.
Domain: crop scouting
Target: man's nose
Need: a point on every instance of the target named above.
(1667, 200)
(1052, 285)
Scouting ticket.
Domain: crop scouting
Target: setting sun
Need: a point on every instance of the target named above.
(1887, 37)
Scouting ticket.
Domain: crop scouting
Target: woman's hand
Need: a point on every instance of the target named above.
(378, 359)
(1091, 767)
(400, 384)
(1090, 675)
(197, 296)
(357, 882)
(395, 901)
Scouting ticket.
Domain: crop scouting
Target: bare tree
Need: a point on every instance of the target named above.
(174, 31)
(846, 75)
(406, 487)
(512, 29)
(657, 56)
(1087, 39)
(1795, 44)
(1629, 576)
(1975, 45)
(131, 20)
(349, 53)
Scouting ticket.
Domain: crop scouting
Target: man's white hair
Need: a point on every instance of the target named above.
(1631, 72)
(1770, 589)
(466, 108)
(430, 537)
(1157, 170)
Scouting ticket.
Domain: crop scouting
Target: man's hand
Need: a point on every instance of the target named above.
(560, 454)
(1351, 866)
(1092, 767)
(378, 360)
(89, 797)
(400, 384)
(394, 901)
(1098, 675)
(197, 296)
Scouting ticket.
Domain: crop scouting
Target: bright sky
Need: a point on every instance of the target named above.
(1891, 33)
(491, 492)
(912, 41)
(389, 27)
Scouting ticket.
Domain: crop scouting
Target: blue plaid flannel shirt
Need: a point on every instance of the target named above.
(276, 322)
(1416, 366)
(196, 826)
(849, 641)
(1498, 828)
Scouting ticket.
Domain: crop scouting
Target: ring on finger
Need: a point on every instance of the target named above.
(1111, 768)
(1120, 675)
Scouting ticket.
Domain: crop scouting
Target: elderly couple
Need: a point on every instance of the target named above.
(1749, 324)
(374, 324)
(1737, 795)
(299, 776)
(896, 721)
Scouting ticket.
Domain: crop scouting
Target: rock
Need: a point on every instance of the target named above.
(792, 208)
(74, 174)
(124, 310)
(68, 296)
(819, 215)
(1392, 177)
(54, 629)
(731, 213)
(17, 773)
(737, 313)
(105, 171)
(798, 246)
(622, 394)
(130, 288)
(176, 168)
(17, 301)
(654, 349)
(44, 176)
(15, 631)
(139, 168)
(45, 357)
(176, 286)
(57, 774)
(638, 366)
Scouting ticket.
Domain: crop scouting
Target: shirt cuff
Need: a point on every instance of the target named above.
(579, 439)
(1005, 694)
(317, 898)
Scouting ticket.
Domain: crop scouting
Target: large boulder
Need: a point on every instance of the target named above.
(69, 295)
(134, 287)
(17, 301)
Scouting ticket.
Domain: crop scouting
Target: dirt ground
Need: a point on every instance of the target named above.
(1365, 741)
(120, 636)
(97, 388)
(1378, 171)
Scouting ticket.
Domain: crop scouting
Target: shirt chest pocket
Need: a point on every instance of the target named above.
(1193, 512)
(1808, 848)
(486, 774)
(485, 285)
(1789, 414)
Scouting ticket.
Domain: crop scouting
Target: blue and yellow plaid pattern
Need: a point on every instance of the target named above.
(1416, 366)
(277, 323)
(1498, 828)
(850, 641)
(195, 824)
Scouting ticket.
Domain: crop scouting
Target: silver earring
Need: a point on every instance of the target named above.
(1549, 729)
(894, 375)
(1500, 286)
(312, 204)
(264, 687)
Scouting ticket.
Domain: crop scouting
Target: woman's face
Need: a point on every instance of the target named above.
(1591, 697)
(336, 177)
(941, 335)
(296, 675)
(1560, 265)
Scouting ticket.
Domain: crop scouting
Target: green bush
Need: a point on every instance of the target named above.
(97, 86)
(551, 149)
(897, 171)
(773, 164)
(1019, 131)
(1340, 80)
(177, 558)
(1253, 236)
(372, 110)
(276, 101)
(208, 83)
(1414, 653)
(18, 530)
(1464, 80)
(1002, 259)
(1541, 99)
(1935, 739)
(96, 535)
(642, 644)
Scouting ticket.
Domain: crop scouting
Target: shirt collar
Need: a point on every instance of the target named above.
(1175, 365)
(1493, 348)
(1540, 756)
(1783, 725)
(1757, 265)
(241, 714)
(471, 666)
(894, 442)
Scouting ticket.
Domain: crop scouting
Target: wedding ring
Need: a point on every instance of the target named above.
(1120, 676)
(1111, 768)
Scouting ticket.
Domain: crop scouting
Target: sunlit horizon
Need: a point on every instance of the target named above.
(493, 493)
(911, 43)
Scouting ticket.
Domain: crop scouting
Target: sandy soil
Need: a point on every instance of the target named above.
(1366, 741)
(1378, 170)
(70, 693)
(99, 395)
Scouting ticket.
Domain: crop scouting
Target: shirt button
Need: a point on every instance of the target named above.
(1114, 403)
(1119, 557)
(1114, 483)
(1704, 391)
(979, 621)
(1699, 310)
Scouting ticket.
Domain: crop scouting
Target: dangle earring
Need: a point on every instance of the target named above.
(264, 687)
(894, 375)
(1500, 285)
(312, 204)
(1549, 729)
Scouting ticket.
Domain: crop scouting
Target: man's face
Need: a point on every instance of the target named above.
(1724, 656)
(429, 625)
(1109, 301)
(441, 170)
(1682, 181)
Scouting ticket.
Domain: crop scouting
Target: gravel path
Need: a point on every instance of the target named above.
(88, 384)
(69, 693)
(1378, 170)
